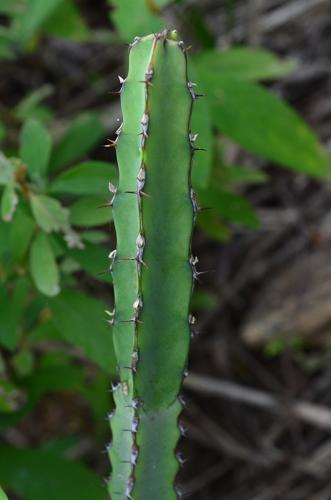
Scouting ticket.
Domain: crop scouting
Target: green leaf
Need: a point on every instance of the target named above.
(67, 22)
(11, 311)
(11, 7)
(84, 133)
(3, 495)
(213, 226)
(93, 259)
(30, 18)
(11, 398)
(243, 63)
(263, 124)
(6, 170)
(43, 266)
(30, 107)
(91, 177)
(50, 215)
(95, 236)
(20, 234)
(35, 475)
(237, 175)
(230, 206)
(135, 17)
(80, 320)
(35, 148)
(9, 202)
(87, 212)
(23, 363)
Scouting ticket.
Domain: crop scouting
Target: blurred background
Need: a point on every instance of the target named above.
(258, 412)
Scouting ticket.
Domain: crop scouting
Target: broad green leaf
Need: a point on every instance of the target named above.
(4, 235)
(3, 495)
(213, 226)
(11, 399)
(137, 17)
(95, 236)
(230, 206)
(93, 259)
(30, 18)
(91, 177)
(23, 362)
(36, 475)
(84, 133)
(87, 212)
(236, 175)
(265, 125)
(50, 215)
(80, 320)
(11, 7)
(35, 148)
(12, 306)
(243, 63)
(9, 202)
(67, 22)
(43, 267)
(6, 170)
(20, 233)
(30, 107)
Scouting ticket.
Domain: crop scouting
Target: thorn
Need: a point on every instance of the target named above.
(187, 49)
(185, 373)
(115, 387)
(147, 82)
(135, 404)
(182, 429)
(191, 319)
(122, 80)
(133, 320)
(137, 305)
(110, 415)
(112, 144)
(190, 86)
(134, 455)
(202, 209)
(182, 400)
(139, 193)
(181, 460)
(136, 40)
(115, 92)
(106, 205)
(192, 138)
(149, 74)
(112, 189)
(135, 358)
(119, 130)
(199, 95)
(199, 149)
(100, 273)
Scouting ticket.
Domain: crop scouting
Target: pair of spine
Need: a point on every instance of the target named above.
(154, 208)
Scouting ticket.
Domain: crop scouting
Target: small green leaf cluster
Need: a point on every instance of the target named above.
(48, 208)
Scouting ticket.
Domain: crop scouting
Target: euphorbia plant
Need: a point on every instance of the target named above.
(154, 208)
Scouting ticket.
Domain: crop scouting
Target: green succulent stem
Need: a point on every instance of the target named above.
(153, 272)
